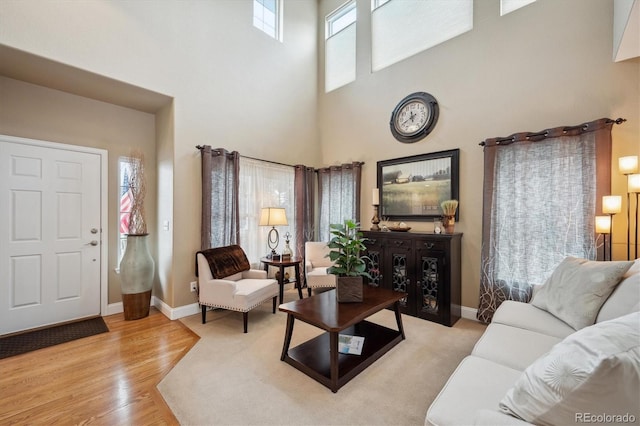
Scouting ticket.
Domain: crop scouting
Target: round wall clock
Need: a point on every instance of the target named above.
(414, 117)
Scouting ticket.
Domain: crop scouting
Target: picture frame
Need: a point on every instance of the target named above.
(412, 188)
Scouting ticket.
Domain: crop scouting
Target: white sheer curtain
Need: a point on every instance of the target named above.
(338, 196)
(540, 202)
(264, 184)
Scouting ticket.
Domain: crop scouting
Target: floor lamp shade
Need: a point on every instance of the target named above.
(273, 216)
(628, 165)
(633, 184)
(611, 204)
(603, 224)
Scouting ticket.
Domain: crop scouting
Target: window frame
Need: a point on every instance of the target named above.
(340, 38)
(278, 19)
(337, 14)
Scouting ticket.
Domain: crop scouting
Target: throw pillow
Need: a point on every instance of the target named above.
(593, 372)
(577, 288)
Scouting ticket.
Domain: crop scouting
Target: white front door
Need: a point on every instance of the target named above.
(50, 235)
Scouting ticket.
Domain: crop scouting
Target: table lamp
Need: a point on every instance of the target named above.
(273, 216)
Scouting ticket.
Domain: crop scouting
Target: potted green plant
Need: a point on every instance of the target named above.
(348, 265)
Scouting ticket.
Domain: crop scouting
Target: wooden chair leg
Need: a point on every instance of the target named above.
(204, 313)
(309, 290)
(245, 319)
(275, 301)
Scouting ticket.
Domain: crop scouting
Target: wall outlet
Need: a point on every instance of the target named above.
(194, 286)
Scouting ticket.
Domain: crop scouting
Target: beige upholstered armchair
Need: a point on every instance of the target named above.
(316, 263)
(226, 280)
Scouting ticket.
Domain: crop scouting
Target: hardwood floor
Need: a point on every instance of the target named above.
(107, 379)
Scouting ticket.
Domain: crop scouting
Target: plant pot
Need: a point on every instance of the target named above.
(136, 274)
(349, 289)
(449, 223)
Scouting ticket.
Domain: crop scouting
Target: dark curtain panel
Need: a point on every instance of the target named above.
(542, 192)
(220, 181)
(304, 182)
(338, 196)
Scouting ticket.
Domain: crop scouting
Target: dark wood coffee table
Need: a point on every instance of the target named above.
(319, 357)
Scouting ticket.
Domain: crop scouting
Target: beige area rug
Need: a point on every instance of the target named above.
(232, 378)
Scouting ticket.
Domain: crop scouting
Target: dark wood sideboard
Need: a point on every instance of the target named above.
(426, 266)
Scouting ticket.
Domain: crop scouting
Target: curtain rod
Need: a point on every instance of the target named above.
(201, 147)
(525, 136)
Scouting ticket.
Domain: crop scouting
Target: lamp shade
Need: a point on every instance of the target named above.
(628, 165)
(273, 216)
(603, 224)
(633, 184)
(611, 204)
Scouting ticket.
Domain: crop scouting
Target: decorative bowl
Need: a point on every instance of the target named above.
(398, 229)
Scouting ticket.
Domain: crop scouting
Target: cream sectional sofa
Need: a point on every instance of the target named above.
(517, 348)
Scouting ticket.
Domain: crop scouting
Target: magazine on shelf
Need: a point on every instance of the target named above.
(348, 344)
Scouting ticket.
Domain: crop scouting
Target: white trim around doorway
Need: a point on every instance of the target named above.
(104, 210)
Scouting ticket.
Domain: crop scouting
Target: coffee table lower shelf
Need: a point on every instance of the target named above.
(314, 356)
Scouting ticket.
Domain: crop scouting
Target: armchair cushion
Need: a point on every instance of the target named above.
(225, 261)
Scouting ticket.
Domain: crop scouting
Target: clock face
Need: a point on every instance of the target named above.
(414, 117)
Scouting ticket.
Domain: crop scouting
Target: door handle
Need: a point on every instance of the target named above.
(92, 243)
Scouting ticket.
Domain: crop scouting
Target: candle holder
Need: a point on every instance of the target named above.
(375, 219)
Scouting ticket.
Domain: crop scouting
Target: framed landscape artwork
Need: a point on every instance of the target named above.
(412, 188)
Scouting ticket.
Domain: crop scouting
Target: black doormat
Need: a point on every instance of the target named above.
(30, 341)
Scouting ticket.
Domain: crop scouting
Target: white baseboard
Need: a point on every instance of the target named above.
(176, 313)
(113, 308)
(468, 313)
(167, 311)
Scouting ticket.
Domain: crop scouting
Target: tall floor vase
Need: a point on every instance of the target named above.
(136, 273)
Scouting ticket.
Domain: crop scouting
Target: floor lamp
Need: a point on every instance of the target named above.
(628, 166)
(603, 226)
(633, 187)
(611, 205)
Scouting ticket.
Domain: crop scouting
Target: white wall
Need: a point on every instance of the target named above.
(233, 87)
(545, 65)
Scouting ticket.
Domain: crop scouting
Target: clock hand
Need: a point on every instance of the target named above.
(411, 116)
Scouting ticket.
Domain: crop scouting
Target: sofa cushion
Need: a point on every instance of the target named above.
(476, 383)
(595, 370)
(528, 317)
(577, 288)
(625, 299)
(512, 346)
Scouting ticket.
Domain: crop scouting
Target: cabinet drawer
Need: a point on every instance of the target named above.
(398, 243)
(430, 245)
